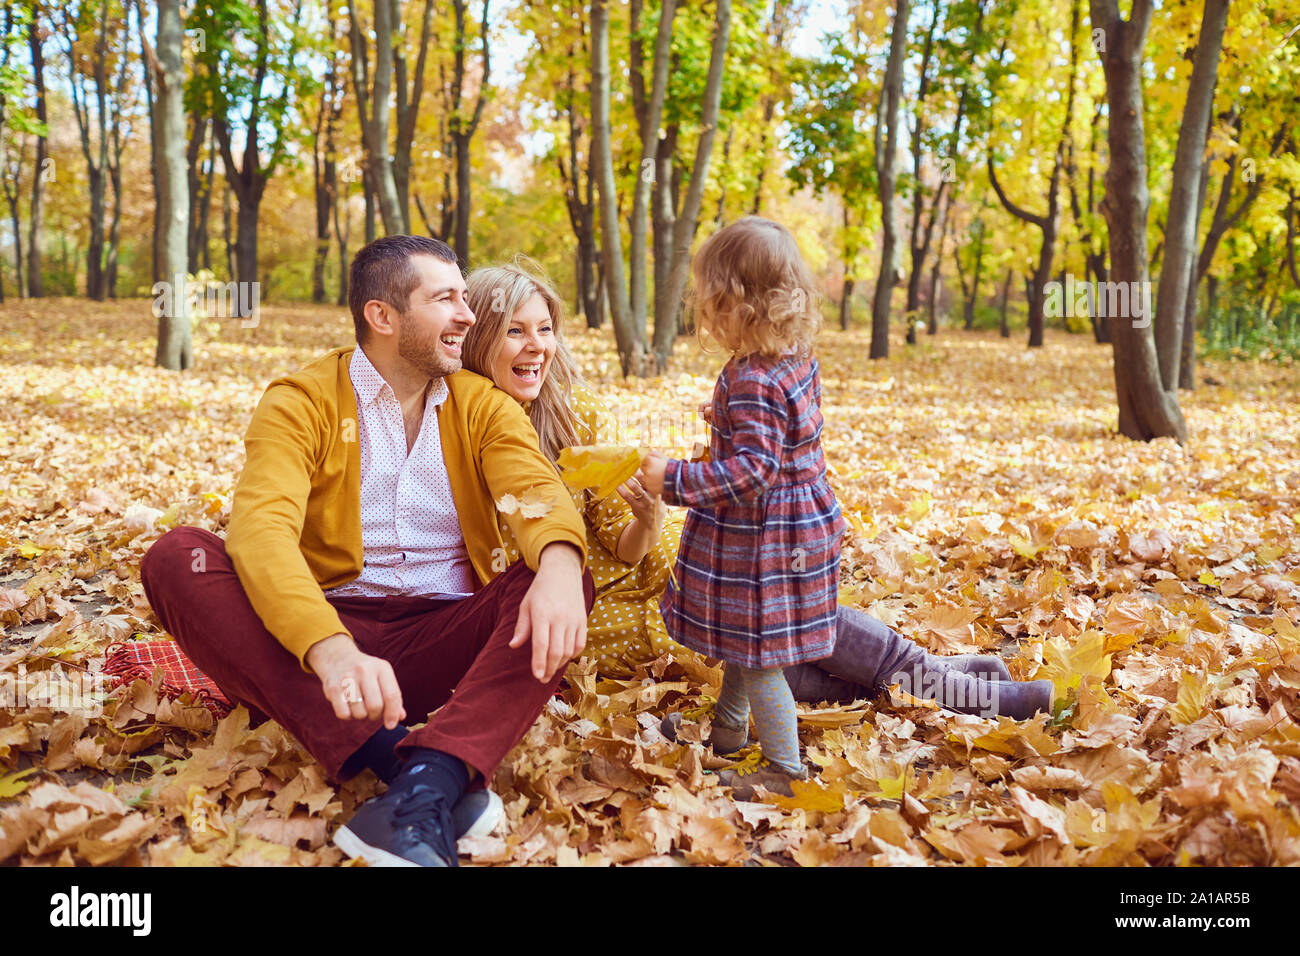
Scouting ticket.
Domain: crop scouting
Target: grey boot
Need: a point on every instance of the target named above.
(810, 684)
(983, 666)
(870, 656)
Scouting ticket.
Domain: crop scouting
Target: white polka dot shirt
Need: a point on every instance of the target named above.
(410, 534)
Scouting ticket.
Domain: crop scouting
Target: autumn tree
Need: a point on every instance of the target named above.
(629, 339)
(99, 75)
(886, 158)
(1187, 195)
(1147, 409)
(175, 350)
(268, 93)
(1049, 220)
(831, 149)
(675, 205)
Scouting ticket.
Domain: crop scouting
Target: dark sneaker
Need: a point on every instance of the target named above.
(477, 814)
(409, 825)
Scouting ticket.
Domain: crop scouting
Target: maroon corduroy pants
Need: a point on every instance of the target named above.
(453, 655)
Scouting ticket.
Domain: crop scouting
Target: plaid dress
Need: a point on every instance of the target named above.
(757, 574)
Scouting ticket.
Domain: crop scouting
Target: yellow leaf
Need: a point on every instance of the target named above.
(1024, 547)
(1267, 554)
(810, 795)
(601, 468)
(12, 784)
(1193, 690)
(29, 550)
(891, 788)
(921, 506)
(1066, 662)
(1208, 578)
(864, 528)
(169, 517)
(531, 505)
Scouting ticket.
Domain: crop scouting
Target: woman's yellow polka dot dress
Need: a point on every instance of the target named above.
(625, 627)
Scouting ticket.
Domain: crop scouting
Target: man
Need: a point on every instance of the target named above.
(356, 583)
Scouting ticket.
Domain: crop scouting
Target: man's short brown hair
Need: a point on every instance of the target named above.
(382, 270)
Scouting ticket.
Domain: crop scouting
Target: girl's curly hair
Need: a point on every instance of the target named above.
(752, 293)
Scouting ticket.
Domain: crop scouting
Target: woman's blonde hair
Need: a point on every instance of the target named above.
(752, 292)
(495, 294)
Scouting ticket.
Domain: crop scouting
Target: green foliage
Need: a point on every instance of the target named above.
(1241, 327)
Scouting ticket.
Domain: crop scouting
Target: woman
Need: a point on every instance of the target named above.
(517, 341)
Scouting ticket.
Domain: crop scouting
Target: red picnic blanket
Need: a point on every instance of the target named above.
(137, 660)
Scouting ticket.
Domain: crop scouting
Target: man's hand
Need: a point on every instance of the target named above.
(357, 685)
(553, 613)
(706, 412)
(651, 475)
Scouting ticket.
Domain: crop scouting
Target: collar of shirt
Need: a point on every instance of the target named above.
(369, 384)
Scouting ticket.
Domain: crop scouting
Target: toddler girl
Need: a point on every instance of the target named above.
(757, 573)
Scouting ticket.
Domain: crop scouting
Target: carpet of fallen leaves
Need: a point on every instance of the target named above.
(992, 508)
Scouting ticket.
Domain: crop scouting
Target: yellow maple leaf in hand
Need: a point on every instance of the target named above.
(599, 467)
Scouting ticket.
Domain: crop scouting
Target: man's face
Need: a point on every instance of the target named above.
(437, 317)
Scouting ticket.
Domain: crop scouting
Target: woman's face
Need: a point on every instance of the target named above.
(521, 364)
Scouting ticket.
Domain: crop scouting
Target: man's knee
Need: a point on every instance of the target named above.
(183, 548)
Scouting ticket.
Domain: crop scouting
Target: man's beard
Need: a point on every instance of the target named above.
(422, 349)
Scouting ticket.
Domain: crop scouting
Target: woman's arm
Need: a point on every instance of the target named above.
(642, 533)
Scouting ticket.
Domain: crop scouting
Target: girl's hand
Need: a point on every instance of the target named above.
(651, 475)
(706, 412)
(649, 509)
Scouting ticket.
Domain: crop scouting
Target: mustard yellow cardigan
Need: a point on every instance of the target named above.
(295, 523)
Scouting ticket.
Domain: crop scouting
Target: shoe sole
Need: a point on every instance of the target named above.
(487, 820)
(356, 848)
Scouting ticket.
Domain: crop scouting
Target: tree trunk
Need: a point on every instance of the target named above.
(155, 144)
(975, 279)
(342, 232)
(663, 211)
(246, 237)
(227, 231)
(589, 289)
(846, 305)
(1178, 272)
(174, 348)
(1005, 329)
(114, 233)
(324, 157)
(373, 105)
(649, 115)
(194, 177)
(463, 198)
(35, 210)
(914, 243)
(10, 171)
(887, 176)
(1146, 409)
(932, 326)
(462, 132)
(631, 347)
(668, 300)
(95, 287)
(1187, 365)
